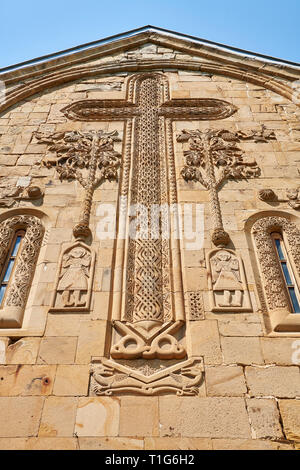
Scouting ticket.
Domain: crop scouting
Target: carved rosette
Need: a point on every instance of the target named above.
(228, 288)
(74, 281)
(271, 272)
(18, 289)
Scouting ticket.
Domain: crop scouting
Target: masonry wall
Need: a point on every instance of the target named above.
(250, 395)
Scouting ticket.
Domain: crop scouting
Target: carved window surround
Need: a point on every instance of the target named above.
(280, 316)
(20, 314)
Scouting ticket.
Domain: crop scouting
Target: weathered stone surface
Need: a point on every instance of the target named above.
(24, 351)
(241, 350)
(58, 417)
(57, 350)
(97, 417)
(20, 416)
(72, 380)
(38, 443)
(281, 382)
(203, 417)
(247, 444)
(290, 415)
(134, 407)
(264, 418)
(26, 380)
(174, 443)
(225, 381)
(205, 341)
(91, 340)
(278, 350)
(110, 443)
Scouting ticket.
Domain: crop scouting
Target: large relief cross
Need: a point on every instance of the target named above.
(149, 309)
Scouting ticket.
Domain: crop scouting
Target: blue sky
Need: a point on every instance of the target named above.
(31, 28)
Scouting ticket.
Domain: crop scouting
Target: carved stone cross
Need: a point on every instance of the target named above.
(148, 314)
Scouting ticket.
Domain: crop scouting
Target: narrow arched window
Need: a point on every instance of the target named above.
(8, 268)
(292, 289)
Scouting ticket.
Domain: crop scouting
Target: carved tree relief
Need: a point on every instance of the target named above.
(214, 157)
(88, 157)
(11, 313)
(227, 282)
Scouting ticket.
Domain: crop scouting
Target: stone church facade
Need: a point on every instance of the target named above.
(150, 248)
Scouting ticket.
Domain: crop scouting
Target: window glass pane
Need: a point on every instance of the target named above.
(294, 300)
(286, 274)
(17, 245)
(2, 292)
(8, 270)
(279, 248)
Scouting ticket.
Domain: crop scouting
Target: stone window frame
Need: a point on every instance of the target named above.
(273, 297)
(19, 314)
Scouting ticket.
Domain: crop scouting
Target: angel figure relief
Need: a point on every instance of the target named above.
(73, 284)
(226, 278)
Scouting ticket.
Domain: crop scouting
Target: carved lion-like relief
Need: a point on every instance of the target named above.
(74, 280)
(228, 288)
(14, 304)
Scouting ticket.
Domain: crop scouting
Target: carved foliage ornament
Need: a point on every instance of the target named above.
(268, 262)
(23, 273)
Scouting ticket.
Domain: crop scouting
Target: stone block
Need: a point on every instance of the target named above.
(264, 418)
(174, 443)
(26, 380)
(97, 417)
(91, 340)
(110, 443)
(203, 417)
(278, 351)
(72, 380)
(249, 444)
(203, 340)
(139, 416)
(281, 382)
(241, 350)
(58, 417)
(23, 351)
(225, 381)
(58, 350)
(20, 416)
(290, 415)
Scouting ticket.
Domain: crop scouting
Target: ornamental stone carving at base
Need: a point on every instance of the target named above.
(156, 343)
(73, 286)
(227, 282)
(146, 377)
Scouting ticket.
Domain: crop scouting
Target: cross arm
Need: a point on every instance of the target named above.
(197, 109)
(100, 110)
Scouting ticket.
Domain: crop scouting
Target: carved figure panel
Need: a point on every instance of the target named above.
(228, 288)
(74, 281)
(293, 196)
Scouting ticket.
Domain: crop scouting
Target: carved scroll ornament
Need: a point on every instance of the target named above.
(18, 289)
